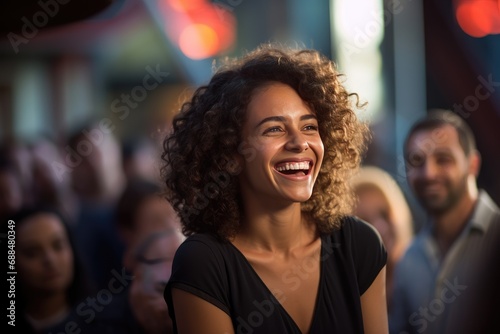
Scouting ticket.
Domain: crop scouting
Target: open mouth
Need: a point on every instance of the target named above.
(294, 168)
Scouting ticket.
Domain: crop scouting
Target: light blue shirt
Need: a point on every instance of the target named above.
(426, 285)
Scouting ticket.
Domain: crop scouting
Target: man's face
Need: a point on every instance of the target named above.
(437, 168)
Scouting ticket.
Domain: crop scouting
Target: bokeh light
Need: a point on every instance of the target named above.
(187, 5)
(200, 28)
(478, 18)
(199, 41)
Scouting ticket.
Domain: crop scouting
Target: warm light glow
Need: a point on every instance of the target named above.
(478, 18)
(200, 28)
(187, 5)
(198, 41)
(358, 27)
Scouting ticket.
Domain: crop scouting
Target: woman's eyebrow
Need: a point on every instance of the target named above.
(283, 119)
(271, 119)
(308, 116)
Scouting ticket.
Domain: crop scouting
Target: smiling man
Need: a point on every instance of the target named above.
(442, 167)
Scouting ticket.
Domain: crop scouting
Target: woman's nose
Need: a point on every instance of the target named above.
(297, 143)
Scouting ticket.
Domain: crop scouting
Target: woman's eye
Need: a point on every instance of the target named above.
(311, 127)
(272, 130)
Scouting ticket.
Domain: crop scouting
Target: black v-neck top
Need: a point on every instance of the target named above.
(217, 272)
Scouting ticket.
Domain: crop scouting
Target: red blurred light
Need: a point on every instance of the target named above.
(198, 41)
(201, 29)
(478, 18)
(187, 5)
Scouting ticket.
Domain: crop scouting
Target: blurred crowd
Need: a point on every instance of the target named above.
(94, 237)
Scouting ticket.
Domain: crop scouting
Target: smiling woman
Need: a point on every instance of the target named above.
(257, 167)
(291, 150)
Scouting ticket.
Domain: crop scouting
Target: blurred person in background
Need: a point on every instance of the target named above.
(96, 176)
(150, 230)
(478, 311)
(29, 169)
(16, 156)
(442, 167)
(139, 159)
(50, 186)
(11, 191)
(51, 280)
(140, 210)
(381, 203)
(19, 154)
(97, 179)
(152, 269)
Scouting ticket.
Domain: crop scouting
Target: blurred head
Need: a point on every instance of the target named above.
(201, 153)
(442, 161)
(97, 173)
(141, 210)
(20, 157)
(51, 187)
(139, 159)
(45, 257)
(382, 204)
(153, 257)
(15, 178)
(11, 192)
(46, 182)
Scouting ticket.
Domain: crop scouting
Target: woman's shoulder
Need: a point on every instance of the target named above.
(201, 266)
(359, 239)
(206, 238)
(362, 246)
(354, 227)
(203, 246)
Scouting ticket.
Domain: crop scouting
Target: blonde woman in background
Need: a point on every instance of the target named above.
(382, 204)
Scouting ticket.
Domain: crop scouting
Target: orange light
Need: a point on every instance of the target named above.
(198, 41)
(187, 5)
(478, 18)
(200, 29)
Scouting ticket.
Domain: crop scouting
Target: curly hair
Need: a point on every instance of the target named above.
(198, 155)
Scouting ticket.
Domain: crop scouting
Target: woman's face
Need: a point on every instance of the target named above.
(374, 209)
(44, 255)
(150, 279)
(154, 214)
(282, 148)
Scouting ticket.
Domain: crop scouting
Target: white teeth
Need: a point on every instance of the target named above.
(294, 166)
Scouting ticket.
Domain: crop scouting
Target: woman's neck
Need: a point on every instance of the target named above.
(278, 231)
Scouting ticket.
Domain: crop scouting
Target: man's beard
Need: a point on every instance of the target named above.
(442, 205)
